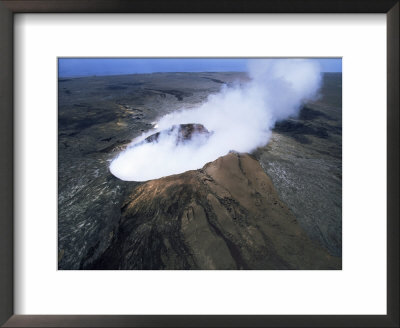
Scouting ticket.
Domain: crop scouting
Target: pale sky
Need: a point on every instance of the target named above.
(70, 67)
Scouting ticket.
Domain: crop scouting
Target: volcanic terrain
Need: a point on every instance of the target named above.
(278, 208)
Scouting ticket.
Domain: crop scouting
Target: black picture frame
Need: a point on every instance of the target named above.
(7, 10)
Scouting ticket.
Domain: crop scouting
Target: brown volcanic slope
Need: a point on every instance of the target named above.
(184, 132)
(224, 216)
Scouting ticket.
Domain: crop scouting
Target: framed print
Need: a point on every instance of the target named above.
(166, 166)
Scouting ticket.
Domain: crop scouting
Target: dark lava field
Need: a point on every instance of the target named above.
(277, 208)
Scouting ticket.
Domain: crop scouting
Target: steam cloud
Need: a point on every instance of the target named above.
(240, 116)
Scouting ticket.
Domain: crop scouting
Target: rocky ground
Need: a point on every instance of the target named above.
(106, 223)
(304, 161)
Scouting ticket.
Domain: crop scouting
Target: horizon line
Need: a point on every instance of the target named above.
(161, 72)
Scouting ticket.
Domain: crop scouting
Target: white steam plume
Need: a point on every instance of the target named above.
(241, 118)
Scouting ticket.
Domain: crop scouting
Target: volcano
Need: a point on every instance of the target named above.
(155, 210)
(226, 215)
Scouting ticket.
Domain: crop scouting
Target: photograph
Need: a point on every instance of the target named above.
(220, 164)
(199, 163)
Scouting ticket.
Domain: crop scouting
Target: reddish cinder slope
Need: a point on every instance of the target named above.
(224, 216)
